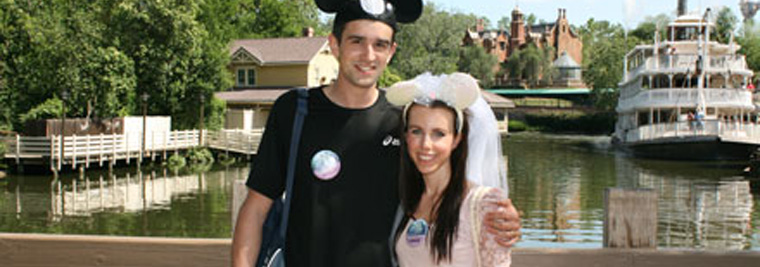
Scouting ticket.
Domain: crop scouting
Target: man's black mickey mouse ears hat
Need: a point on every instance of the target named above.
(388, 11)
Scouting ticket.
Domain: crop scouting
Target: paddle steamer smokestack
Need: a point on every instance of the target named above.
(681, 7)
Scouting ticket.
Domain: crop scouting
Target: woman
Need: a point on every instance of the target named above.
(443, 208)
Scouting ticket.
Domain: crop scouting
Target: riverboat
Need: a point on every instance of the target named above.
(688, 97)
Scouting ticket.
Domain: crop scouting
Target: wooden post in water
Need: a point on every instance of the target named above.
(630, 218)
(74, 152)
(102, 146)
(113, 152)
(18, 150)
(87, 152)
(60, 147)
(52, 153)
(239, 193)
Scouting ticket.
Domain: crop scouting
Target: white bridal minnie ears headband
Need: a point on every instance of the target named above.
(485, 162)
(457, 90)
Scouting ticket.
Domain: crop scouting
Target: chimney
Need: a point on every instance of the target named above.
(681, 7)
(308, 32)
(480, 26)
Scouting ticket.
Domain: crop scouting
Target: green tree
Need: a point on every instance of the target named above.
(531, 64)
(226, 20)
(55, 45)
(725, 24)
(646, 29)
(50, 109)
(283, 18)
(388, 78)
(478, 63)
(749, 41)
(604, 46)
(430, 44)
(106, 53)
(530, 19)
(175, 60)
(505, 23)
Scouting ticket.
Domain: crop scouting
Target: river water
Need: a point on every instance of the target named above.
(557, 182)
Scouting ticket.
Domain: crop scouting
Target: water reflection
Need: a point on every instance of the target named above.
(151, 203)
(558, 182)
(129, 193)
(700, 212)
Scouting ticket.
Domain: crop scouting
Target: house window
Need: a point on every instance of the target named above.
(246, 77)
(251, 77)
(241, 77)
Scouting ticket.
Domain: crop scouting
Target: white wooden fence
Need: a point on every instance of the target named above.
(84, 150)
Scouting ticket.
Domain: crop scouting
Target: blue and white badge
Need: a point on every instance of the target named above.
(417, 232)
(325, 165)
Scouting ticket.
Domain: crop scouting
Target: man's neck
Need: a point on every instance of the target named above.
(351, 97)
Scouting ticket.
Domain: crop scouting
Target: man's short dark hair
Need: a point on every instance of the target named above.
(337, 30)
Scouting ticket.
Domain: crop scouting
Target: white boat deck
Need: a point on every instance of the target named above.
(737, 132)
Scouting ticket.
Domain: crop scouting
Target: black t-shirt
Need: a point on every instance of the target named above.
(343, 218)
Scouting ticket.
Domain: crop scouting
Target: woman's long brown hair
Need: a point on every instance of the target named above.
(445, 213)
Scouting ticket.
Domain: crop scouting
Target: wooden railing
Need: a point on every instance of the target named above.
(665, 97)
(83, 251)
(239, 141)
(739, 131)
(78, 150)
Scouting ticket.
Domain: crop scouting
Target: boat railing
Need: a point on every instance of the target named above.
(743, 131)
(687, 97)
(732, 62)
(687, 63)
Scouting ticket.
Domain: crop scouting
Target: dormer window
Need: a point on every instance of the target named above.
(246, 77)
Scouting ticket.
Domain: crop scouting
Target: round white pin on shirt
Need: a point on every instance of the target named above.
(325, 165)
(417, 232)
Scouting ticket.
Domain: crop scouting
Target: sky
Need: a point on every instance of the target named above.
(629, 13)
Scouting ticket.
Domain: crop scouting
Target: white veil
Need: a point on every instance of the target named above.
(485, 162)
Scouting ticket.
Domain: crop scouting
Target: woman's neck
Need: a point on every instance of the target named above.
(435, 184)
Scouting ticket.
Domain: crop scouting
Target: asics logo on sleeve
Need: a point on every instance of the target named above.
(390, 140)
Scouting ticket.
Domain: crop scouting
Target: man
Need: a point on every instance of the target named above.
(345, 192)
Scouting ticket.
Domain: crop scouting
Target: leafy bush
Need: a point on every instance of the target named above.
(593, 123)
(201, 156)
(200, 167)
(225, 159)
(2, 155)
(176, 162)
(517, 126)
(49, 109)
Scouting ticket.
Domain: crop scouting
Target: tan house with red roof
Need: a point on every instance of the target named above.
(264, 69)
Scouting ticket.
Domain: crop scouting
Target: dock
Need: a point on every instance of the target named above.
(82, 151)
